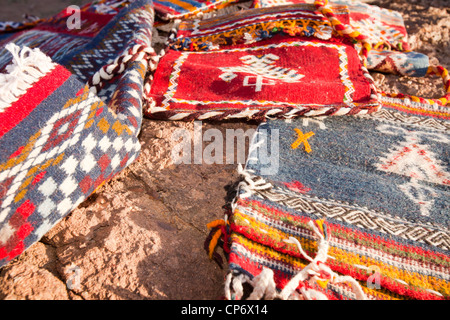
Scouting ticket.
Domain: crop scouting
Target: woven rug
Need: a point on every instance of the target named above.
(385, 28)
(259, 63)
(352, 207)
(252, 26)
(70, 113)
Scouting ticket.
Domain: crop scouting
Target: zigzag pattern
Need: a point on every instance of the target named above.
(111, 44)
(387, 115)
(360, 217)
(174, 80)
(198, 28)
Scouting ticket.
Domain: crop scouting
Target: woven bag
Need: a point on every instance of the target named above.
(254, 64)
(352, 207)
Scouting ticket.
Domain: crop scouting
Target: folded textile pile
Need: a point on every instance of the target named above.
(345, 193)
(386, 32)
(61, 138)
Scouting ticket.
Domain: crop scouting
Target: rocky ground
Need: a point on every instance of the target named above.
(141, 235)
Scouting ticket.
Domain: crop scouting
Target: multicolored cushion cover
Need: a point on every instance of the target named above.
(259, 63)
(345, 207)
(59, 140)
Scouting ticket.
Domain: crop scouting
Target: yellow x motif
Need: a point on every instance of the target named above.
(302, 138)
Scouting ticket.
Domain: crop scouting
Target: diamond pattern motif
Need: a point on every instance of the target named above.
(73, 142)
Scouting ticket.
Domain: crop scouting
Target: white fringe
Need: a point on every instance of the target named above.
(264, 284)
(27, 67)
(251, 183)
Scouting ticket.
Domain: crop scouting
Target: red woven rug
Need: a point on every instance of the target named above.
(261, 63)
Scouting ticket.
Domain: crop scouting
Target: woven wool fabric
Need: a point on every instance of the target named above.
(251, 26)
(411, 64)
(183, 9)
(59, 142)
(55, 38)
(59, 139)
(381, 184)
(107, 30)
(385, 28)
(259, 63)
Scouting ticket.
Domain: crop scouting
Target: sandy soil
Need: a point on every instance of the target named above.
(141, 235)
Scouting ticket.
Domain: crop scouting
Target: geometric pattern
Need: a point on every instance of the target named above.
(77, 149)
(108, 29)
(393, 116)
(182, 9)
(224, 94)
(384, 28)
(261, 67)
(378, 181)
(257, 241)
(84, 63)
(61, 132)
(411, 64)
(413, 158)
(361, 217)
(253, 25)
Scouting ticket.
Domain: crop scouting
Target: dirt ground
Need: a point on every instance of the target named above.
(141, 235)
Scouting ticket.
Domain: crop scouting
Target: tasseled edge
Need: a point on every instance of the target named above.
(218, 237)
(264, 285)
(316, 271)
(27, 67)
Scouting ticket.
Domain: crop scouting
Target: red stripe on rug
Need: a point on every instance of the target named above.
(42, 89)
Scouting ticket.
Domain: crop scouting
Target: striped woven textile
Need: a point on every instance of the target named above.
(353, 207)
